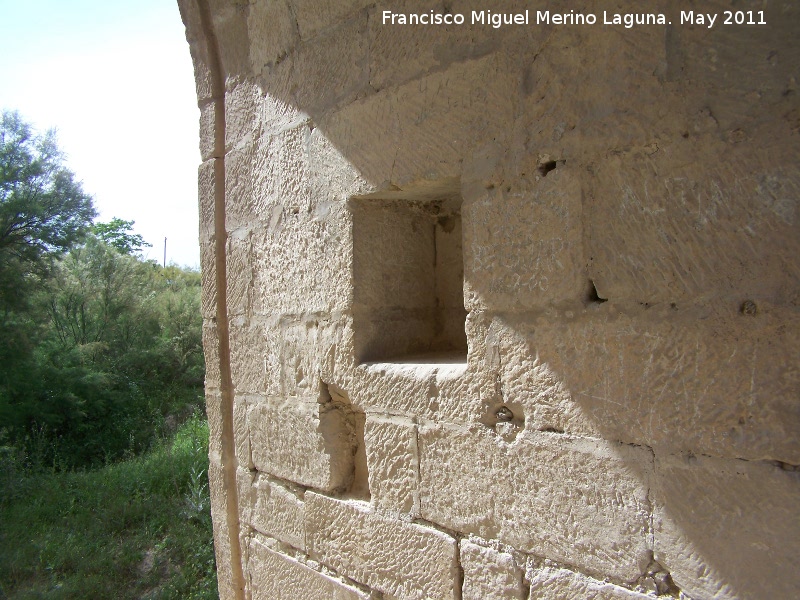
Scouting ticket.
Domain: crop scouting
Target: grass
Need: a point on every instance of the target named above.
(135, 529)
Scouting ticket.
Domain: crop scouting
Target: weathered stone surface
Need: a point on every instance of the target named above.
(272, 30)
(524, 246)
(313, 16)
(718, 227)
(329, 69)
(248, 352)
(215, 422)
(583, 502)
(278, 510)
(213, 379)
(275, 576)
(208, 268)
(403, 559)
(401, 53)
(622, 226)
(559, 584)
(228, 571)
(303, 441)
(241, 435)
(688, 379)
(490, 574)
(392, 463)
(206, 191)
(727, 528)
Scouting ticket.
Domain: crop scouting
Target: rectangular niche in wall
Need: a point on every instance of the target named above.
(408, 273)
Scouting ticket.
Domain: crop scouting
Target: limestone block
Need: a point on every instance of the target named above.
(431, 123)
(727, 528)
(403, 559)
(423, 387)
(749, 94)
(282, 283)
(241, 206)
(444, 114)
(272, 30)
(275, 576)
(392, 463)
(364, 127)
(227, 571)
(238, 272)
(215, 422)
(400, 53)
(213, 379)
(245, 488)
(523, 248)
(248, 348)
(381, 281)
(206, 185)
(331, 68)
(313, 350)
(278, 511)
(277, 112)
(490, 574)
(229, 23)
(513, 375)
(241, 113)
(208, 273)
(241, 436)
(280, 174)
(579, 501)
(208, 131)
(724, 224)
(560, 584)
(313, 16)
(198, 46)
(708, 380)
(303, 441)
(333, 177)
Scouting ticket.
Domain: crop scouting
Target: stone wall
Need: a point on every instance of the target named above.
(500, 312)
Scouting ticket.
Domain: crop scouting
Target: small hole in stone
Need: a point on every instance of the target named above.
(685, 135)
(546, 167)
(592, 296)
(504, 414)
(749, 308)
(552, 430)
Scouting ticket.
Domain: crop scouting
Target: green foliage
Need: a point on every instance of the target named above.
(120, 352)
(97, 346)
(118, 233)
(100, 359)
(43, 210)
(136, 529)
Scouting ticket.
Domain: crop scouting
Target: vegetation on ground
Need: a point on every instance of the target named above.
(100, 364)
(140, 528)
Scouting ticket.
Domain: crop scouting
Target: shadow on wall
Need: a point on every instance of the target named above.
(623, 194)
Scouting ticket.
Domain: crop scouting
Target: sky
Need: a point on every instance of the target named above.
(115, 80)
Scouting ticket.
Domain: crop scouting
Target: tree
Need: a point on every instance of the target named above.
(43, 210)
(117, 233)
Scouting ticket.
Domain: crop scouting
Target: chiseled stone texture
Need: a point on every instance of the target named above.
(727, 529)
(490, 574)
(392, 463)
(278, 510)
(560, 584)
(303, 441)
(583, 502)
(406, 560)
(275, 576)
(627, 208)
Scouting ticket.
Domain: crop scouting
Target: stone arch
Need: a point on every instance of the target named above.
(623, 417)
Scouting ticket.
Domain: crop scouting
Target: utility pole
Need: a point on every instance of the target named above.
(165, 253)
